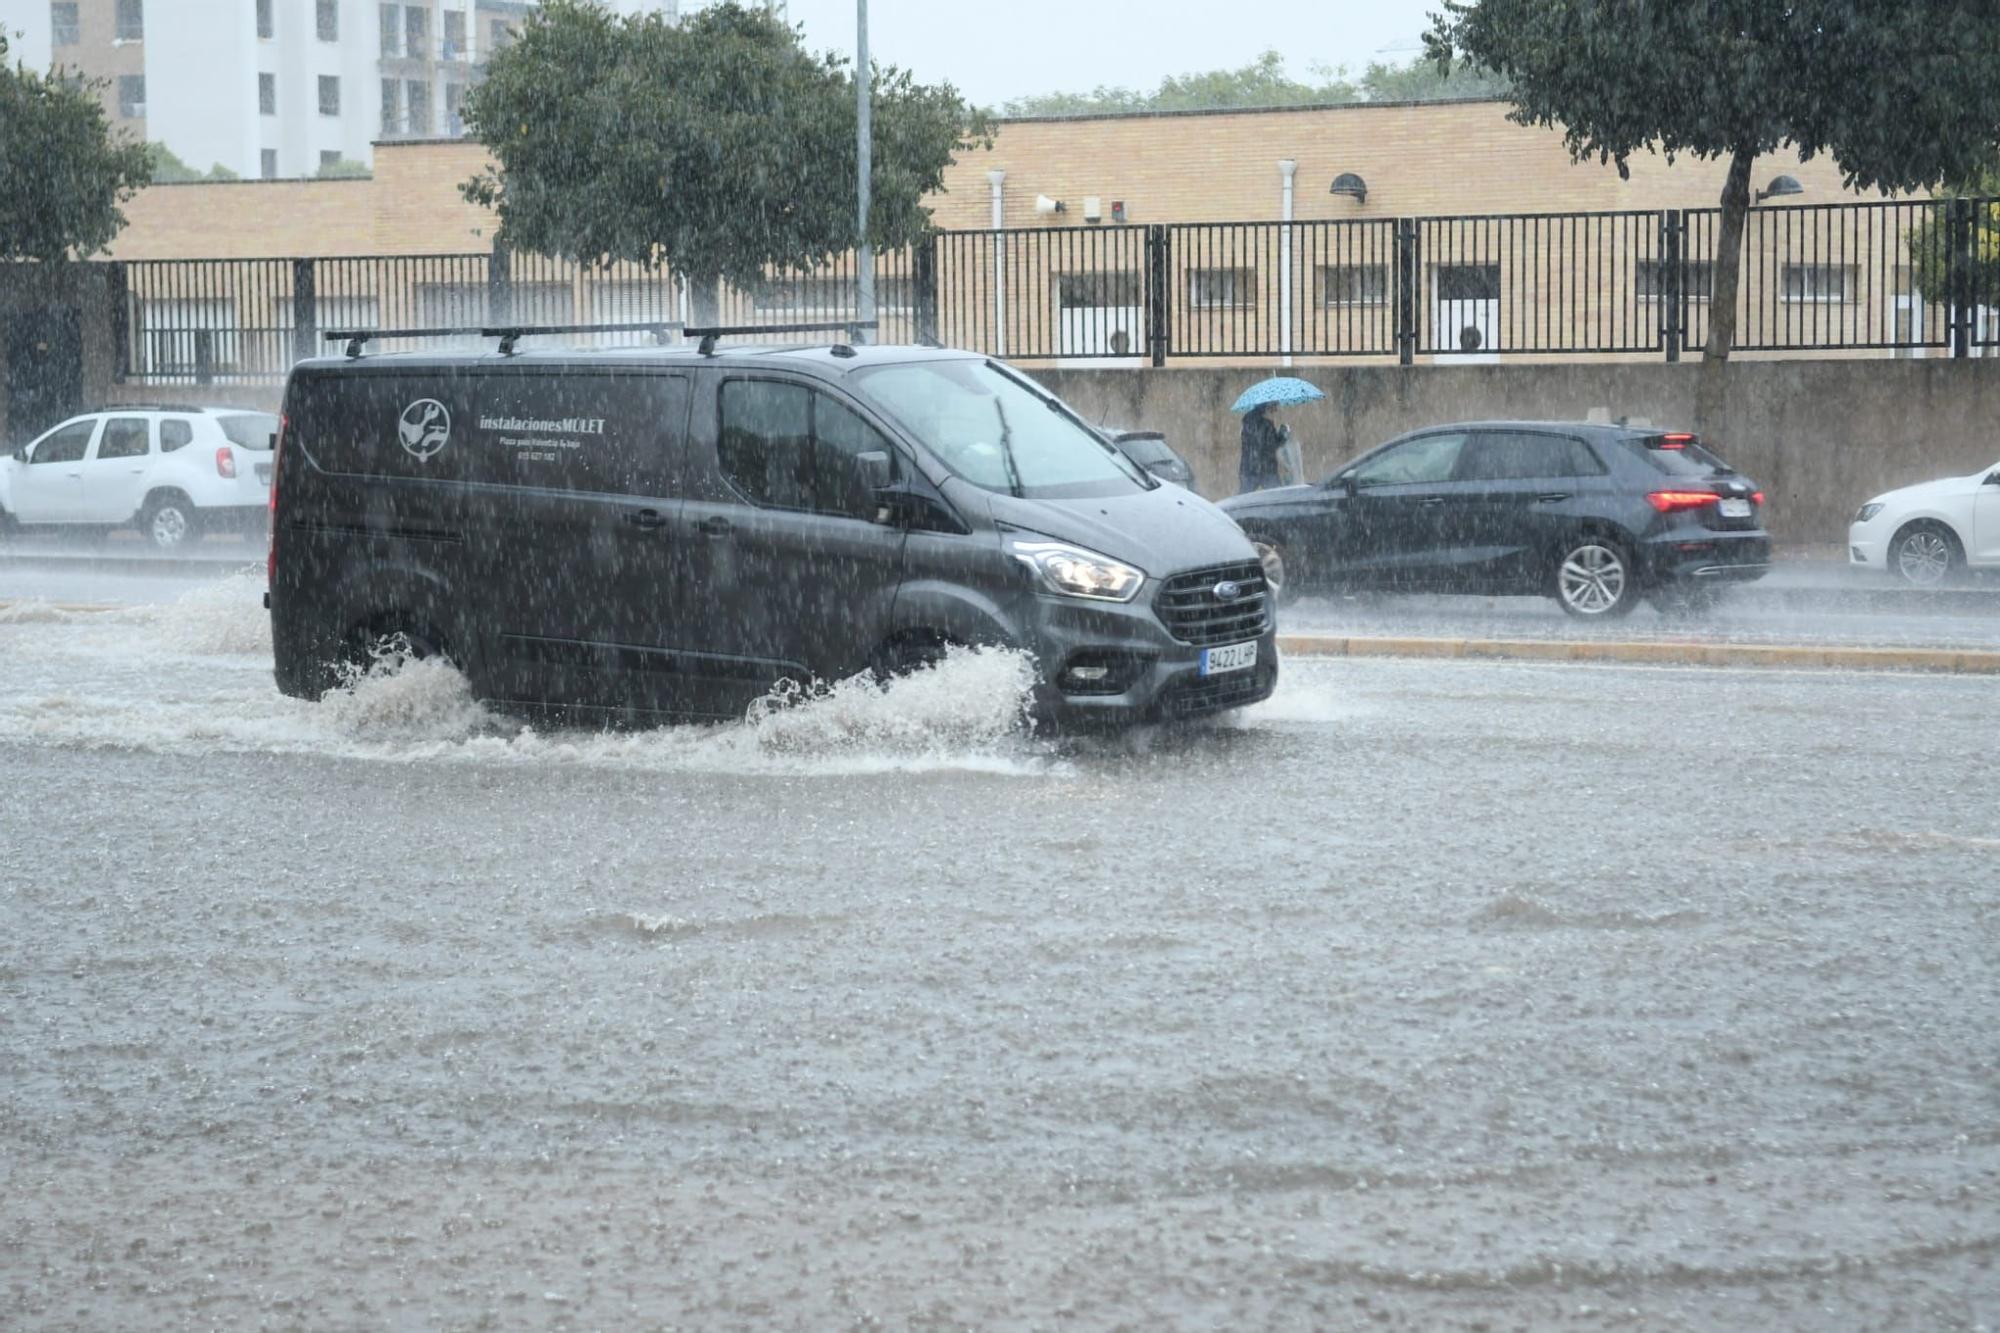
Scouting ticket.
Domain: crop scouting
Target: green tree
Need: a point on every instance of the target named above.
(719, 147)
(62, 175)
(1930, 242)
(344, 169)
(1263, 83)
(1902, 94)
(169, 169)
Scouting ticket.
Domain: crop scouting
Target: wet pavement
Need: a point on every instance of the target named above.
(1430, 995)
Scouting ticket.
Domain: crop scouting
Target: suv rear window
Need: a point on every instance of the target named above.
(1680, 456)
(249, 430)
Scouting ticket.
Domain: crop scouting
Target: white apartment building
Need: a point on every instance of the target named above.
(271, 88)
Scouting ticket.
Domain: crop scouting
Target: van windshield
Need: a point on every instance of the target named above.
(999, 434)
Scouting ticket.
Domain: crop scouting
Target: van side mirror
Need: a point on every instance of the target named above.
(875, 469)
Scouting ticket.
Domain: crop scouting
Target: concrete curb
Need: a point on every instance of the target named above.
(1960, 660)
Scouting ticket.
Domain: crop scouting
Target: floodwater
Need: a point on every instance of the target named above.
(1431, 995)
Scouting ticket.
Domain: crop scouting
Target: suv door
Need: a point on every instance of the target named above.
(1523, 491)
(795, 576)
(1391, 531)
(114, 476)
(49, 488)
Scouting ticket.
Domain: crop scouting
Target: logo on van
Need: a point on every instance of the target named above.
(1227, 591)
(425, 426)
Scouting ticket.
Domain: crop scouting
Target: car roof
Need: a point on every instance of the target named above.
(827, 360)
(1600, 428)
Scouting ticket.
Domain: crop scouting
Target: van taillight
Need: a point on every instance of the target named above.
(271, 522)
(225, 463)
(1669, 501)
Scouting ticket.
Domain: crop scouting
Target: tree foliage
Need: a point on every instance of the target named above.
(169, 169)
(62, 175)
(1264, 83)
(720, 146)
(1902, 94)
(1931, 242)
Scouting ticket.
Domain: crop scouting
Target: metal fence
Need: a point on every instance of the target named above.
(1905, 278)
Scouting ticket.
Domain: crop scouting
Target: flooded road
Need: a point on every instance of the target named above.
(1430, 994)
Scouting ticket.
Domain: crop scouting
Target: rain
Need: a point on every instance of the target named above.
(1248, 763)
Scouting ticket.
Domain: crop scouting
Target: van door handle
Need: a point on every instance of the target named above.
(715, 527)
(646, 518)
(1552, 496)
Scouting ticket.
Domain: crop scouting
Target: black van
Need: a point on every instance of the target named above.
(665, 531)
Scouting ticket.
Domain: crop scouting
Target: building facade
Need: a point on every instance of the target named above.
(274, 89)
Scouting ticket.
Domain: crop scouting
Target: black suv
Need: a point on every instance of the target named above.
(1595, 516)
(674, 531)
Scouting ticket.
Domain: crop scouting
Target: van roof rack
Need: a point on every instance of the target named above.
(851, 327)
(508, 334)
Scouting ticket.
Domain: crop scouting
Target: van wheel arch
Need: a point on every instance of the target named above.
(911, 650)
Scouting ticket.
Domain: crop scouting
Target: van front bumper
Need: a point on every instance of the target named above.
(1106, 665)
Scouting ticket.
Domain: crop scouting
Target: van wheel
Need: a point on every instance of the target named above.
(169, 522)
(909, 654)
(1593, 578)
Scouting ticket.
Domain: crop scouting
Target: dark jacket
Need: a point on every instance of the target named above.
(1262, 438)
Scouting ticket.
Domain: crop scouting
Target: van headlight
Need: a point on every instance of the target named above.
(1867, 511)
(1076, 572)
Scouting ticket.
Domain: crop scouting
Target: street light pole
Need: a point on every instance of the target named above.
(864, 252)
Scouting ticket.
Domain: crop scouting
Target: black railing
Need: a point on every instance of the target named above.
(1910, 278)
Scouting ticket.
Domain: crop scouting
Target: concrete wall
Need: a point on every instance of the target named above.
(1819, 436)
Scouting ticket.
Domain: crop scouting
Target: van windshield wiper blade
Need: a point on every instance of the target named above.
(1007, 451)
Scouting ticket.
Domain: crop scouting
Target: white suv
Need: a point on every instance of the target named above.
(174, 472)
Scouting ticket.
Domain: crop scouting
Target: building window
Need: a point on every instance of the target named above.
(131, 26)
(454, 110)
(392, 106)
(1353, 284)
(329, 95)
(416, 32)
(1697, 279)
(265, 30)
(132, 96)
(1830, 283)
(65, 29)
(454, 34)
(329, 20)
(1220, 288)
(267, 163)
(328, 158)
(1099, 291)
(392, 30)
(417, 98)
(267, 94)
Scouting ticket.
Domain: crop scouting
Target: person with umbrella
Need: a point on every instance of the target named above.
(1263, 437)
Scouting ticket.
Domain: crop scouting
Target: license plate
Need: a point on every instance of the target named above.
(1235, 657)
(1735, 509)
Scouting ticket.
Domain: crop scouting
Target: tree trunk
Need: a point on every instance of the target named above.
(1711, 395)
(1728, 263)
(705, 300)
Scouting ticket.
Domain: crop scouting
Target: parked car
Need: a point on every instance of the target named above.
(674, 532)
(1150, 450)
(174, 472)
(1595, 516)
(1925, 534)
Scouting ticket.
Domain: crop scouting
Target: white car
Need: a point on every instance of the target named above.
(1925, 534)
(172, 472)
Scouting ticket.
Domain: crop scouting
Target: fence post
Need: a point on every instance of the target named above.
(1406, 291)
(500, 287)
(1158, 296)
(118, 293)
(923, 278)
(1958, 275)
(1671, 286)
(204, 356)
(305, 309)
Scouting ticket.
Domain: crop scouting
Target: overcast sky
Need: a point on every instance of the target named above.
(997, 49)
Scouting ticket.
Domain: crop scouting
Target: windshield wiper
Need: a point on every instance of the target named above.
(1007, 451)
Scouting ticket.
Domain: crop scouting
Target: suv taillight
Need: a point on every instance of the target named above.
(225, 463)
(1668, 502)
(271, 522)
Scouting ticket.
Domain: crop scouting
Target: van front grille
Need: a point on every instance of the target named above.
(1188, 606)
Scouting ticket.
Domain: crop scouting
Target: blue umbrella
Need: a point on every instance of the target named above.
(1279, 390)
